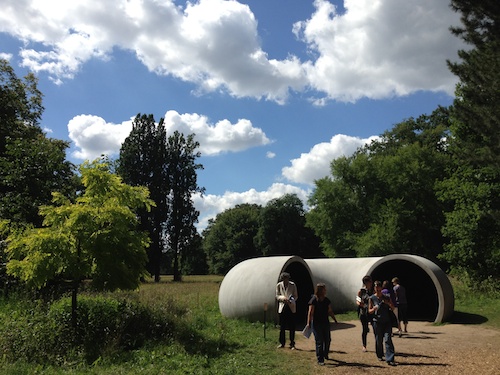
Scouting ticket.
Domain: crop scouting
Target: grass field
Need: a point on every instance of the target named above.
(216, 345)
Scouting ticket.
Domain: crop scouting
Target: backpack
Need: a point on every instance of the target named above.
(365, 296)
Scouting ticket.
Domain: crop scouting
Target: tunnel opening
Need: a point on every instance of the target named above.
(421, 292)
(300, 275)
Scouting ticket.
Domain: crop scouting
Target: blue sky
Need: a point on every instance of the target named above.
(274, 90)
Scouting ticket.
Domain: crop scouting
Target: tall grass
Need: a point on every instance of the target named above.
(204, 341)
(476, 305)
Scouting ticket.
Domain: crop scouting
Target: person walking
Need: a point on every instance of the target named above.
(401, 304)
(286, 295)
(362, 301)
(320, 308)
(379, 305)
(387, 290)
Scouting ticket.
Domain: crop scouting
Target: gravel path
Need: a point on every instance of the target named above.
(425, 349)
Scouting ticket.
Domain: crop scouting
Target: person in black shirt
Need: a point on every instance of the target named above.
(362, 301)
(320, 308)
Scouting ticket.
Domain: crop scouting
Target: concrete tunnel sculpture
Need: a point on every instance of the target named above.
(249, 287)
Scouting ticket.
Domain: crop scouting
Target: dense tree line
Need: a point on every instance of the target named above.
(250, 230)
(382, 199)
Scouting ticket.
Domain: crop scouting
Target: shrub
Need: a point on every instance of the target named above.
(105, 327)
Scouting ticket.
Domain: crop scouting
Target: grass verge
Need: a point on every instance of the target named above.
(206, 342)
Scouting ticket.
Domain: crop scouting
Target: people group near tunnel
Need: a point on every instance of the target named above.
(380, 306)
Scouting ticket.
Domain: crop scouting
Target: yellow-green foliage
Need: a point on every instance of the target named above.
(94, 237)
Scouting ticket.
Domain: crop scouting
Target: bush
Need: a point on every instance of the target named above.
(106, 327)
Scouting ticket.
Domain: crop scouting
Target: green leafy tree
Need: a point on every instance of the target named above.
(143, 162)
(32, 166)
(283, 230)
(21, 105)
(180, 228)
(229, 238)
(382, 199)
(194, 259)
(94, 237)
(473, 224)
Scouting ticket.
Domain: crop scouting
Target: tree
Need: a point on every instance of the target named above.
(194, 259)
(230, 238)
(93, 238)
(473, 189)
(382, 199)
(143, 162)
(182, 182)
(32, 166)
(20, 103)
(283, 230)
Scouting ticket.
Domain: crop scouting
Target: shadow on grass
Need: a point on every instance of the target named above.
(195, 343)
(466, 318)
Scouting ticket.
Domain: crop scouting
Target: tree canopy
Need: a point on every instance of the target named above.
(382, 199)
(473, 188)
(229, 238)
(32, 166)
(93, 238)
(143, 162)
(283, 230)
(167, 166)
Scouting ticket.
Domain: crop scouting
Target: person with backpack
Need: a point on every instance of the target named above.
(380, 305)
(362, 301)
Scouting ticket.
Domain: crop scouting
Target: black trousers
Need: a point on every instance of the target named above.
(287, 322)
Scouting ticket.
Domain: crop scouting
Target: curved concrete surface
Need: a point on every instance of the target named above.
(429, 291)
(252, 283)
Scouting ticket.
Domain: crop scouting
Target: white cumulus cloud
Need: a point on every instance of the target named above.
(93, 136)
(380, 49)
(375, 49)
(217, 138)
(315, 164)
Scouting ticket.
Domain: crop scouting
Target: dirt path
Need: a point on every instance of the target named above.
(425, 349)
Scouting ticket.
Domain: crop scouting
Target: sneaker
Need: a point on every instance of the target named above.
(292, 347)
(364, 349)
(280, 346)
(381, 359)
(321, 363)
(391, 363)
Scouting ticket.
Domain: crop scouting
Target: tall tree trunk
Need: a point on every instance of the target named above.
(74, 303)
